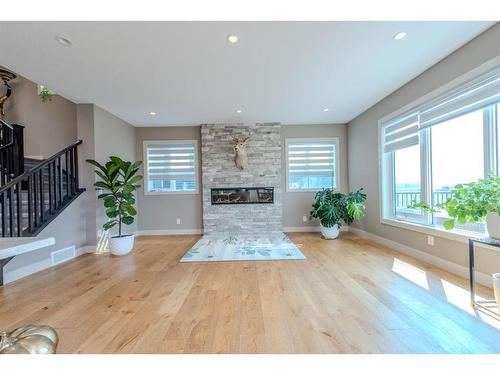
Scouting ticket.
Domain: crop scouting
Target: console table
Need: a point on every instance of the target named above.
(488, 306)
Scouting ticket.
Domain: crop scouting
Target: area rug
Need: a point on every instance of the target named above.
(230, 247)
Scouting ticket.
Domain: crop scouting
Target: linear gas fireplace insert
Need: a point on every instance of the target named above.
(243, 195)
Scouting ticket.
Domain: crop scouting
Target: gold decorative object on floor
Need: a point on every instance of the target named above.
(29, 339)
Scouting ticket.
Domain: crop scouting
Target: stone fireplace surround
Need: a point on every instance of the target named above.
(220, 171)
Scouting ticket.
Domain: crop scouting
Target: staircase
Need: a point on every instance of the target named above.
(33, 192)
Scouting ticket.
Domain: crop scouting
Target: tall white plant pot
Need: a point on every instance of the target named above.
(496, 287)
(330, 233)
(121, 245)
(493, 225)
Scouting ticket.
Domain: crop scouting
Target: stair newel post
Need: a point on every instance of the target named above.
(35, 198)
(60, 180)
(50, 186)
(42, 194)
(19, 210)
(72, 166)
(54, 183)
(76, 168)
(67, 174)
(11, 211)
(2, 170)
(4, 214)
(30, 204)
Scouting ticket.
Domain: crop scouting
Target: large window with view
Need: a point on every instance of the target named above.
(312, 163)
(171, 167)
(453, 139)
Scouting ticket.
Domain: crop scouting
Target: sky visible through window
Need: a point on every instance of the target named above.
(457, 155)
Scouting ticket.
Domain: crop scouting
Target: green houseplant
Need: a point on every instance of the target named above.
(46, 94)
(334, 209)
(117, 184)
(471, 203)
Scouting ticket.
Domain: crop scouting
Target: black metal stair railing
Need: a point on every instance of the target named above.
(29, 202)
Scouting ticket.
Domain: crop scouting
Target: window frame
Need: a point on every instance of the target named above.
(334, 140)
(385, 161)
(194, 142)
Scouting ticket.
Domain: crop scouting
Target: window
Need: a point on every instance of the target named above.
(171, 167)
(452, 139)
(407, 182)
(312, 164)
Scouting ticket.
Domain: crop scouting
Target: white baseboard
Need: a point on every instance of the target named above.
(84, 250)
(309, 229)
(444, 264)
(300, 229)
(167, 232)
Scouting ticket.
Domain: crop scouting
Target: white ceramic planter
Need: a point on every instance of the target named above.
(496, 287)
(330, 233)
(121, 245)
(493, 225)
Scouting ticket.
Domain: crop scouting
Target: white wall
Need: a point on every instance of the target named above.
(362, 134)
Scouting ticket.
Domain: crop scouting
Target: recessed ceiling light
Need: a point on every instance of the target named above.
(326, 109)
(232, 38)
(152, 113)
(238, 111)
(399, 35)
(64, 41)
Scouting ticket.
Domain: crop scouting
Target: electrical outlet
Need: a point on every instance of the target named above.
(304, 218)
(430, 240)
(178, 221)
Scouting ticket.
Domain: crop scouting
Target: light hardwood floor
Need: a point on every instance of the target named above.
(349, 296)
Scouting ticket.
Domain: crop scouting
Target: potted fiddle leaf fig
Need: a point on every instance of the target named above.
(471, 203)
(334, 209)
(117, 184)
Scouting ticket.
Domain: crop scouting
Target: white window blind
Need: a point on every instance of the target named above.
(401, 132)
(171, 166)
(479, 93)
(311, 164)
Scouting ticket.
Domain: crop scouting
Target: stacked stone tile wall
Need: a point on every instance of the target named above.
(219, 171)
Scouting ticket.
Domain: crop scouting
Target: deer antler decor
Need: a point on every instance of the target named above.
(5, 76)
(241, 158)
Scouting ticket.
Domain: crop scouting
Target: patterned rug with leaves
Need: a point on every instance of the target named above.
(230, 247)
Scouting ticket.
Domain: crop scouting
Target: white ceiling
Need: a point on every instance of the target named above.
(189, 74)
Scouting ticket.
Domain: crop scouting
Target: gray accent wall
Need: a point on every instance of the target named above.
(298, 204)
(159, 213)
(362, 134)
(113, 137)
(219, 171)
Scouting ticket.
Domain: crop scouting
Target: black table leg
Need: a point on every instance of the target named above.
(3, 262)
(471, 273)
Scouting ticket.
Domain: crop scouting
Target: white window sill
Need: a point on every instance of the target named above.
(169, 192)
(454, 235)
(309, 190)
